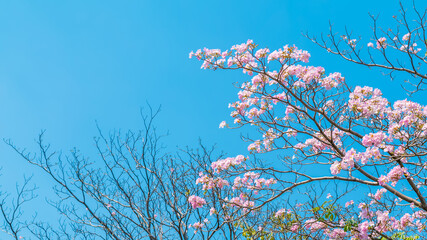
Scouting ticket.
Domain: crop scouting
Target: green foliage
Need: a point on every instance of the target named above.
(402, 236)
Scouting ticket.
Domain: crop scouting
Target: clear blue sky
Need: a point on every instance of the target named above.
(66, 64)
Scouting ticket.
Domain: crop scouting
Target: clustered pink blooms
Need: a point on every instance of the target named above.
(281, 213)
(241, 201)
(196, 201)
(396, 173)
(365, 212)
(197, 225)
(406, 37)
(252, 181)
(210, 183)
(381, 43)
(225, 164)
(336, 234)
(278, 103)
(319, 142)
(378, 195)
(349, 203)
(314, 225)
(405, 46)
(352, 156)
(373, 139)
(367, 102)
(212, 211)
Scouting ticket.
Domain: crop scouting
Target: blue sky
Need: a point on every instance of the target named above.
(66, 64)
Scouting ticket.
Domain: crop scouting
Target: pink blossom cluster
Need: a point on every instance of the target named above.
(382, 222)
(349, 203)
(291, 132)
(281, 213)
(197, 225)
(319, 142)
(367, 102)
(407, 47)
(393, 176)
(210, 183)
(374, 139)
(196, 201)
(410, 48)
(212, 211)
(348, 159)
(363, 229)
(335, 168)
(351, 156)
(252, 181)
(407, 119)
(269, 136)
(332, 80)
(381, 43)
(225, 164)
(289, 52)
(309, 75)
(269, 102)
(365, 212)
(313, 225)
(241, 202)
(241, 48)
(255, 146)
(240, 55)
(262, 53)
(378, 195)
(406, 37)
(335, 234)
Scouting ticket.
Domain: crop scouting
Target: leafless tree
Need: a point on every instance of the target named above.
(134, 190)
(397, 56)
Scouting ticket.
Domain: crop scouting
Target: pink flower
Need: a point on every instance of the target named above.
(383, 180)
(280, 213)
(337, 233)
(364, 228)
(197, 225)
(381, 43)
(212, 211)
(406, 37)
(262, 53)
(406, 220)
(314, 225)
(379, 193)
(294, 227)
(348, 159)
(365, 213)
(196, 202)
(382, 217)
(373, 139)
(225, 164)
(395, 174)
(335, 168)
(349, 203)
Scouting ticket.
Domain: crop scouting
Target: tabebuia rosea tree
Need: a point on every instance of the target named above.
(327, 160)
